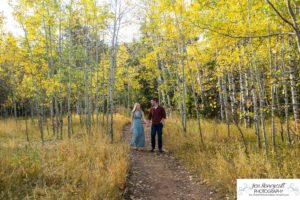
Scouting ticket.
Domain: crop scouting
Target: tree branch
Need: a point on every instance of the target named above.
(296, 28)
(279, 14)
(243, 37)
(292, 15)
(237, 36)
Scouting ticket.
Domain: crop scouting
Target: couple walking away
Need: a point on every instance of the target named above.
(157, 115)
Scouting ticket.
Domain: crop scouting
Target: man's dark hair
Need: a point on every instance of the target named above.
(155, 99)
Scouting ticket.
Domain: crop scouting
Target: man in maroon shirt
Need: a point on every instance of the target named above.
(157, 115)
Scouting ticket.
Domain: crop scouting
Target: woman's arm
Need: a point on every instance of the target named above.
(143, 119)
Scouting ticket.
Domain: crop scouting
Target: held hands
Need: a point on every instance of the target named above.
(147, 123)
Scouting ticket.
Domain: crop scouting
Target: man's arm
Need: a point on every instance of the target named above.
(150, 115)
(164, 116)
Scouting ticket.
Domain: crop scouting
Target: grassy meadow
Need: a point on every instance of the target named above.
(222, 160)
(83, 167)
(90, 167)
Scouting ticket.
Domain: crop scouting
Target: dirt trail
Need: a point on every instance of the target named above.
(159, 176)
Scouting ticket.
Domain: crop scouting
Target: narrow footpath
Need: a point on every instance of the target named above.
(159, 176)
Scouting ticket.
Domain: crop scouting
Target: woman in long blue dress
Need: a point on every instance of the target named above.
(137, 128)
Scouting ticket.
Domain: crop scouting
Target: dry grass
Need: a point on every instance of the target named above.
(84, 167)
(223, 159)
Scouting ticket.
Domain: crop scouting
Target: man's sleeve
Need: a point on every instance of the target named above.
(164, 113)
(150, 115)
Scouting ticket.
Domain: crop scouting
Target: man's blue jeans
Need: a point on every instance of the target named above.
(156, 128)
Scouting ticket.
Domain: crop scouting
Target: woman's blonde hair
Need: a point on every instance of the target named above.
(135, 106)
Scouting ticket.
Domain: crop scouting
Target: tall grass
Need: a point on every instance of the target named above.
(83, 167)
(223, 159)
